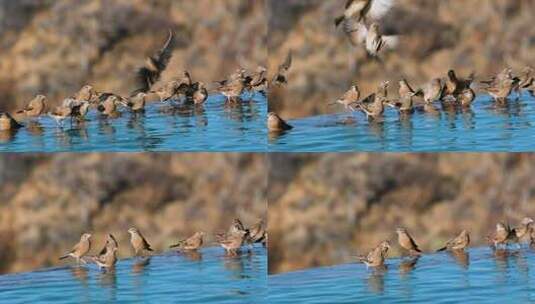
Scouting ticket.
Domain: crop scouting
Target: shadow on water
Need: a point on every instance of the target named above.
(446, 277)
(485, 126)
(207, 276)
(173, 126)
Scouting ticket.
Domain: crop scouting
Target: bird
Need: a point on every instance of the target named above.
(373, 104)
(63, 111)
(232, 90)
(8, 123)
(376, 257)
(149, 74)
(433, 90)
(374, 40)
(200, 95)
(523, 232)
(108, 259)
(136, 103)
(281, 77)
(406, 89)
(109, 106)
(350, 97)
(258, 79)
(407, 242)
(194, 242)
(501, 236)
(257, 232)
(111, 243)
(502, 90)
(80, 249)
(277, 124)
(86, 93)
(79, 109)
(466, 98)
(458, 243)
(138, 242)
(233, 242)
(36, 107)
(354, 9)
(506, 73)
(526, 78)
(454, 85)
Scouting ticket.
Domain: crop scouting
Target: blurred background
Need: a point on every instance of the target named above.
(48, 201)
(482, 36)
(330, 207)
(53, 47)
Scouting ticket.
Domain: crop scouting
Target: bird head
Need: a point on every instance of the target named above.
(133, 230)
(401, 230)
(526, 221)
(86, 236)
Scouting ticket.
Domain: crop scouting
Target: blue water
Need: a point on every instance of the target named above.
(485, 127)
(210, 277)
(213, 127)
(480, 277)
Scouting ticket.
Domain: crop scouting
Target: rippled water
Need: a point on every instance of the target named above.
(210, 277)
(481, 276)
(483, 128)
(213, 127)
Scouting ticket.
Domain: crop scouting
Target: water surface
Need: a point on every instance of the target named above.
(482, 276)
(209, 277)
(484, 127)
(212, 127)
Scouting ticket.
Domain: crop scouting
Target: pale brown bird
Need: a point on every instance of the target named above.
(138, 242)
(257, 232)
(501, 236)
(136, 103)
(407, 242)
(36, 106)
(111, 243)
(454, 85)
(354, 9)
(258, 80)
(374, 40)
(373, 105)
(433, 90)
(200, 95)
(86, 93)
(148, 75)
(277, 124)
(80, 249)
(109, 106)
(523, 232)
(8, 123)
(460, 242)
(108, 259)
(350, 97)
(406, 89)
(233, 242)
(62, 112)
(466, 98)
(494, 81)
(281, 77)
(502, 90)
(194, 242)
(376, 257)
(527, 78)
(232, 90)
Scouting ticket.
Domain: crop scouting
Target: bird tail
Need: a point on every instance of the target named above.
(20, 112)
(179, 244)
(63, 257)
(442, 249)
(338, 20)
(419, 92)
(416, 252)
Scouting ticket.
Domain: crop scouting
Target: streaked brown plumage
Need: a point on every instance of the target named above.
(137, 103)
(466, 98)
(109, 106)
(523, 232)
(36, 107)
(86, 93)
(377, 256)
(257, 232)
(373, 105)
(501, 236)
(281, 77)
(8, 123)
(108, 259)
(374, 40)
(60, 113)
(460, 242)
(354, 9)
(233, 242)
(138, 242)
(80, 249)
(194, 242)
(454, 85)
(407, 242)
(111, 243)
(502, 90)
(350, 97)
(200, 95)
(433, 90)
(277, 124)
(155, 65)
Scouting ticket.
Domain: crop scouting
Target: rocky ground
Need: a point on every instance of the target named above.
(54, 47)
(326, 208)
(472, 35)
(48, 201)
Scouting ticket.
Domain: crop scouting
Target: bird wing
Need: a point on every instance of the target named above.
(380, 8)
(146, 76)
(285, 66)
(356, 31)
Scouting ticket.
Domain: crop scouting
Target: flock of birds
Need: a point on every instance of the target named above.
(360, 23)
(182, 89)
(499, 240)
(231, 240)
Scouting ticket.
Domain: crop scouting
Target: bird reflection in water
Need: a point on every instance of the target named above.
(80, 274)
(408, 265)
(7, 135)
(461, 257)
(140, 264)
(375, 280)
(34, 128)
(192, 255)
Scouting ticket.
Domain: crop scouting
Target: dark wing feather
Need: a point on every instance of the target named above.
(285, 66)
(148, 75)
